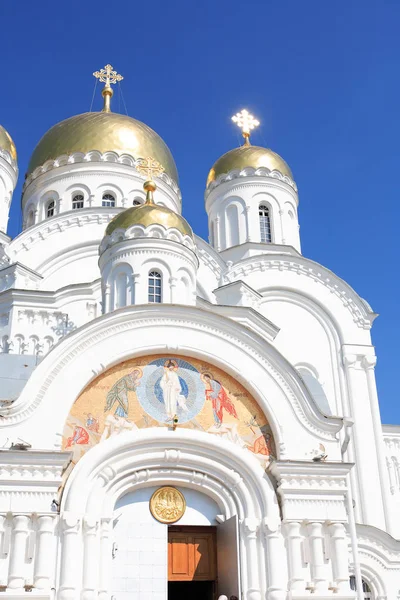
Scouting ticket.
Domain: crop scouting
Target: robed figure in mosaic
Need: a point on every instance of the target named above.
(119, 393)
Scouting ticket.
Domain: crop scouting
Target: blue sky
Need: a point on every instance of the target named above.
(323, 77)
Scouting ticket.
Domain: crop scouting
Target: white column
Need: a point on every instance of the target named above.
(19, 537)
(217, 242)
(90, 559)
(249, 236)
(294, 549)
(276, 563)
(172, 285)
(249, 530)
(107, 298)
(392, 479)
(4, 549)
(105, 558)
(281, 218)
(131, 288)
(70, 557)
(45, 553)
(369, 363)
(319, 573)
(340, 557)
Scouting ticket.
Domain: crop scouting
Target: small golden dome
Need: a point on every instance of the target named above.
(105, 132)
(149, 214)
(7, 144)
(248, 156)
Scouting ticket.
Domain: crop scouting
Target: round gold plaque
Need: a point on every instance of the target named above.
(167, 505)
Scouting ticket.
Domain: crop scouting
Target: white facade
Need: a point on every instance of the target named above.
(289, 331)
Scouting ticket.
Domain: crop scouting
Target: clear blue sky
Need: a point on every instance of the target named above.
(323, 77)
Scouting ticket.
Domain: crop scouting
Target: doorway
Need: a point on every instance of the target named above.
(195, 590)
(192, 563)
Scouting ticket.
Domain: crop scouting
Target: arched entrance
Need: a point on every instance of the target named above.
(229, 477)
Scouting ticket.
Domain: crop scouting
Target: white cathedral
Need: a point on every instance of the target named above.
(182, 419)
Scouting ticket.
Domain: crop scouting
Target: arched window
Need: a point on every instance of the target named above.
(154, 286)
(265, 223)
(51, 209)
(77, 202)
(108, 200)
(366, 589)
(137, 202)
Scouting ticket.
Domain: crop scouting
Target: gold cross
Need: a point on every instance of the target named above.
(149, 167)
(246, 122)
(107, 75)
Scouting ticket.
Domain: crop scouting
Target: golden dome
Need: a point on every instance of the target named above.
(149, 214)
(7, 144)
(248, 156)
(105, 132)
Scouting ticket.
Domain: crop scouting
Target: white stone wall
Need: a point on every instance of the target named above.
(91, 176)
(233, 210)
(127, 257)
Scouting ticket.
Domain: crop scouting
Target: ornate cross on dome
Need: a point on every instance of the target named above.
(107, 76)
(150, 168)
(246, 122)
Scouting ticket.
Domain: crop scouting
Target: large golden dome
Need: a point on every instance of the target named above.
(248, 156)
(149, 214)
(7, 144)
(103, 131)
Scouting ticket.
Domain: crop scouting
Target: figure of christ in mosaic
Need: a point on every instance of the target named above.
(216, 393)
(174, 389)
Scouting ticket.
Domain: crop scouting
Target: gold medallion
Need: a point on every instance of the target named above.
(167, 505)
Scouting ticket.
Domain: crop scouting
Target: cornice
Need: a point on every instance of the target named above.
(59, 223)
(250, 172)
(361, 313)
(155, 231)
(379, 543)
(93, 156)
(183, 253)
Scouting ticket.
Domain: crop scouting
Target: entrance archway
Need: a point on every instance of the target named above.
(232, 478)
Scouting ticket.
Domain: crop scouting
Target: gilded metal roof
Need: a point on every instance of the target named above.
(149, 214)
(6, 143)
(248, 156)
(103, 131)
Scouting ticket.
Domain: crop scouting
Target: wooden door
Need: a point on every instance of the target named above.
(191, 554)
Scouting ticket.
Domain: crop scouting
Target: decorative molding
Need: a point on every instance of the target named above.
(133, 318)
(154, 231)
(250, 172)
(95, 157)
(361, 312)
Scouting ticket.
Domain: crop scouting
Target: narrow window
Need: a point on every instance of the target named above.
(154, 286)
(365, 586)
(108, 200)
(137, 202)
(51, 209)
(265, 223)
(77, 202)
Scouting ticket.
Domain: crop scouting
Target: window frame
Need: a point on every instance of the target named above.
(78, 199)
(265, 223)
(154, 287)
(50, 206)
(108, 200)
